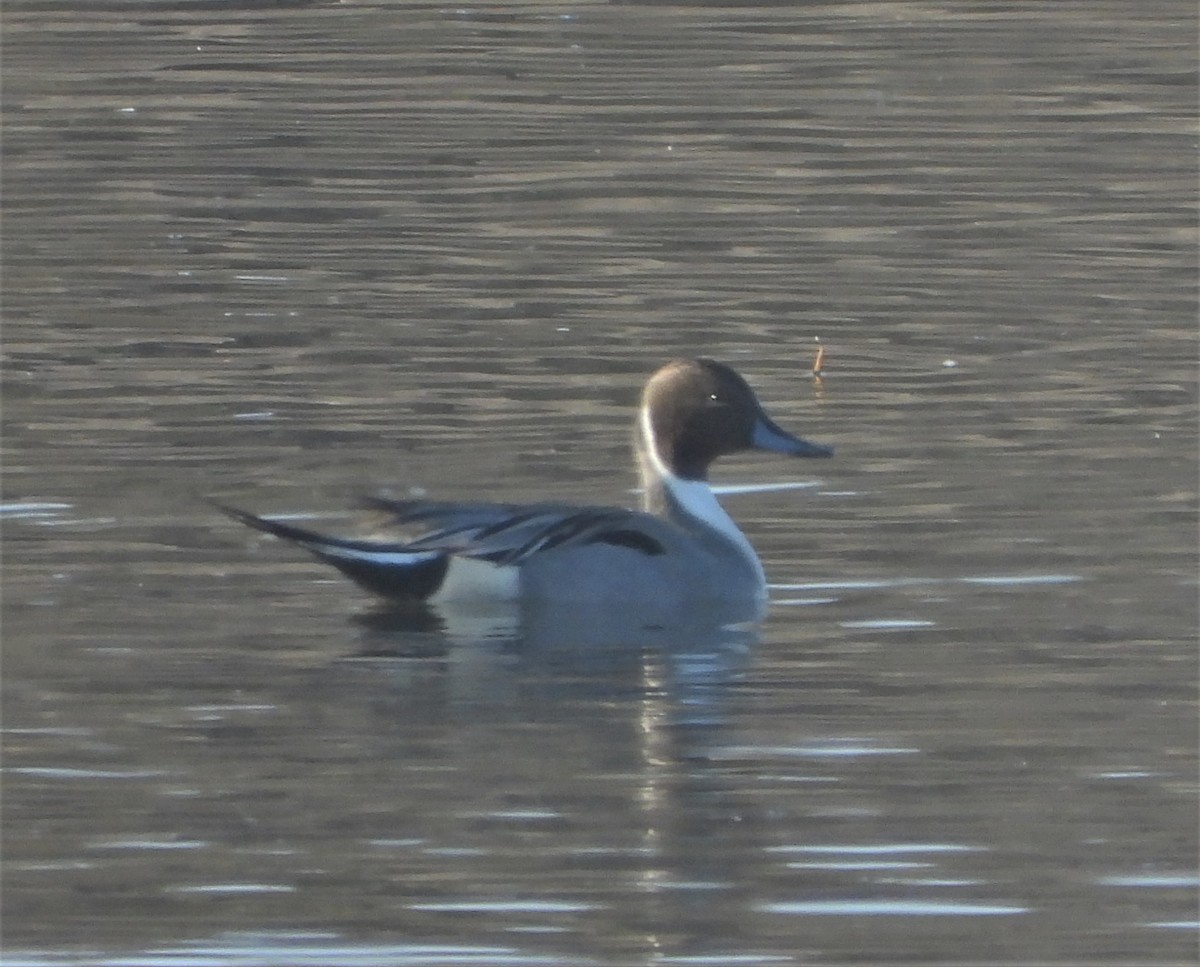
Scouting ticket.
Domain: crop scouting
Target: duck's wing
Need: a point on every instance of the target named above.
(508, 534)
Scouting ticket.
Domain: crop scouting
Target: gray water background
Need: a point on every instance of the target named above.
(287, 252)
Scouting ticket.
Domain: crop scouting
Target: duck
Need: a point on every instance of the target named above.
(680, 548)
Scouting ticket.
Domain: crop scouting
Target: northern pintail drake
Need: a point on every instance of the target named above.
(680, 547)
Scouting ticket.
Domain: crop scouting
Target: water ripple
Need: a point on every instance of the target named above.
(891, 908)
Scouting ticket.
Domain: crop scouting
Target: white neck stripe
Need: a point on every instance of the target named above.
(692, 499)
(650, 445)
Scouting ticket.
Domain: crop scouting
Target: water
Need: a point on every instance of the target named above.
(284, 253)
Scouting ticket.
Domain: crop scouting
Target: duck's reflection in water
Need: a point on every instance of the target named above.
(556, 654)
(592, 730)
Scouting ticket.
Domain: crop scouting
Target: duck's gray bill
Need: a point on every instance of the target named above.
(767, 436)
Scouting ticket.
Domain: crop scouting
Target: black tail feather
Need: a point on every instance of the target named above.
(398, 580)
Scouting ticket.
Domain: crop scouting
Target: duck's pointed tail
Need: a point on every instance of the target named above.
(385, 568)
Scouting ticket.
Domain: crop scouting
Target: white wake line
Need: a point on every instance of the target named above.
(723, 489)
(1000, 580)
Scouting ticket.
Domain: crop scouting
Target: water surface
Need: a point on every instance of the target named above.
(284, 253)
